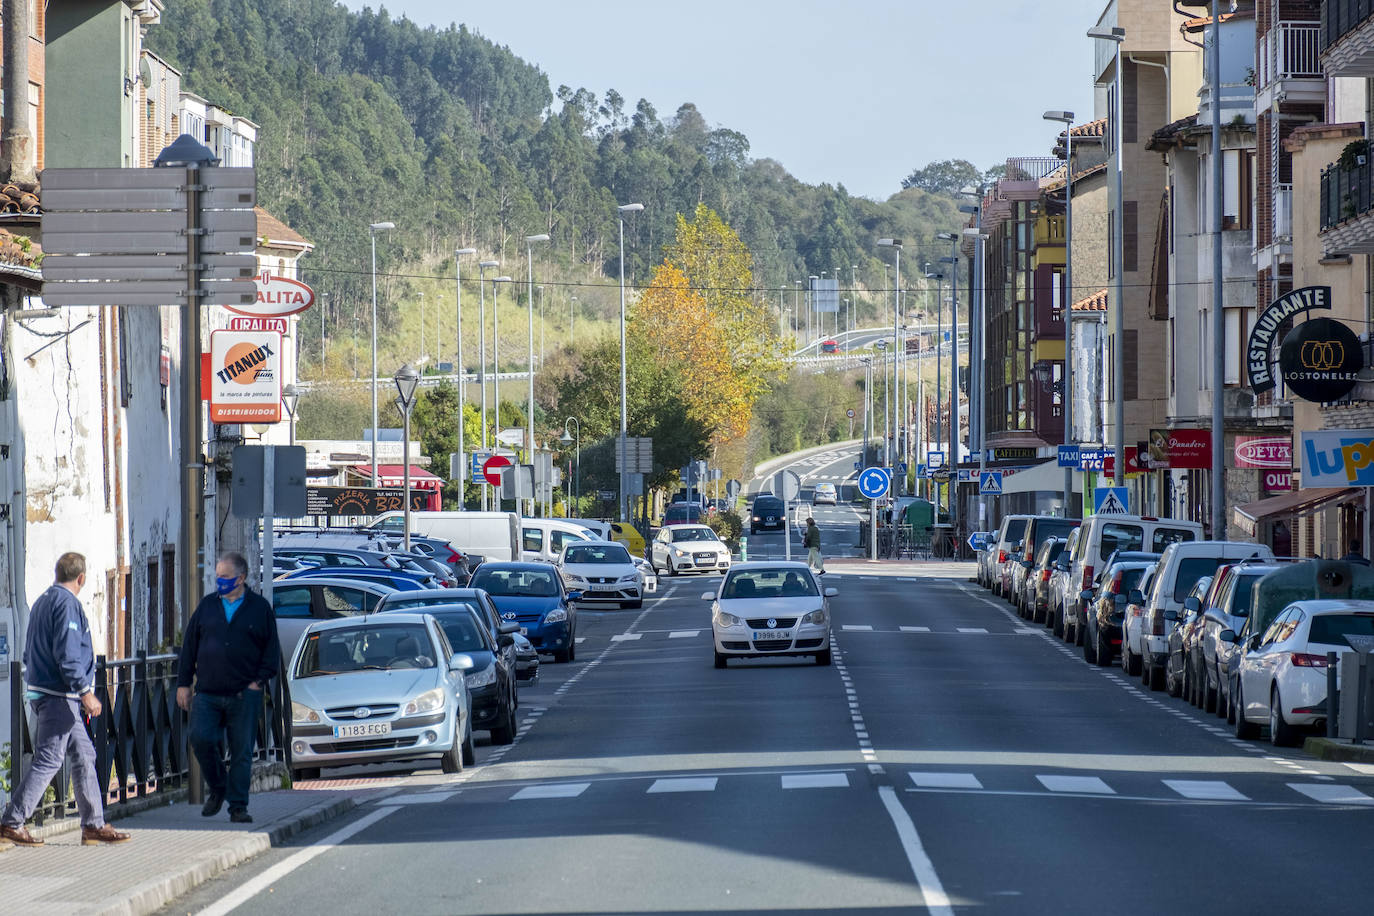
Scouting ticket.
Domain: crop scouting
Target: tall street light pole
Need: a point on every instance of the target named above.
(624, 407)
(1118, 35)
(1218, 303)
(496, 354)
(953, 261)
(373, 229)
(407, 379)
(529, 374)
(462, 375)
(896, 320)
(1066, 118)
(977, 332)
(568, 438)
(482, 361)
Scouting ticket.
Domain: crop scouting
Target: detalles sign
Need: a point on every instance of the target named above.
(1181, 449)
(1258, 358)
(245, 377)
(1264, 452)
(277, 297)
(1338, 458)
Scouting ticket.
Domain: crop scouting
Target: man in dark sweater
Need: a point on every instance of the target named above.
(231, 651)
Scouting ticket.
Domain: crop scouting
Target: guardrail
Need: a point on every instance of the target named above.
(141, 737)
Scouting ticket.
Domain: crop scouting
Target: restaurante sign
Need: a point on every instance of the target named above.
(1257, 355)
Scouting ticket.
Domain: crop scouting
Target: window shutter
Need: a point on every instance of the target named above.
(1130, 235)
(1130, 364)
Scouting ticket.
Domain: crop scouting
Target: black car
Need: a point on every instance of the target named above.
(768, 514)
(491, 679)
(1035, 602)
(1104, 612)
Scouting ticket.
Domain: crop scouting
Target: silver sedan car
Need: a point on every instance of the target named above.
(378, 688)
(765, 608)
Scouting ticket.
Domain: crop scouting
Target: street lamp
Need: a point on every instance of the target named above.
(462, 373)
(407, 379)
(373, 229)
(529, 374)
(290, 396)
(953, 262)
(1066, 118)
(482, 360)
(1118, 35)
(496, 355)
(896, 309)
(624, 416)
(568, 438)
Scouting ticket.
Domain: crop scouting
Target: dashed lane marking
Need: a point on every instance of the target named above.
(815, 781)
(553, 790)
(1081, 784)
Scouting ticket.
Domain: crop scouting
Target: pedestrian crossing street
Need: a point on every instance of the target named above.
(1247, 789)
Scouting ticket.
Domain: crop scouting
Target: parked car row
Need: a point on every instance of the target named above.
(1223, 624)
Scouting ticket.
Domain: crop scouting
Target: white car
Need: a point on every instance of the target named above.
(824, 493)
(601, 571)
(378, 688)
(688, 548)
(764, 609)
(1282, 676)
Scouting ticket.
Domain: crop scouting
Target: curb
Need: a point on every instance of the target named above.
(156, 893)
(1337, 750)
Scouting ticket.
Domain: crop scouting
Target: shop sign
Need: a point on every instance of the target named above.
(277, 297)
(1320, 360)
(1257, 359)
(1338, 458)
(245, 377)
(1013, 453)
(1264, 452)
(1181, 449)
(1278, 481)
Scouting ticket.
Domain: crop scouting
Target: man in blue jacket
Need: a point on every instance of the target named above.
(231, 651)
(59, 663)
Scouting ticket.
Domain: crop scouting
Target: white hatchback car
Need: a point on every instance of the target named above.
(1282, 676)
(688, 548)
(601, 571)
(824, 493)
(765, 608)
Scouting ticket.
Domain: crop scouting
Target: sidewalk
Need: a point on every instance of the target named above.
(173, 849)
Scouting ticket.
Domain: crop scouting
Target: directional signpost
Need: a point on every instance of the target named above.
(874, 483)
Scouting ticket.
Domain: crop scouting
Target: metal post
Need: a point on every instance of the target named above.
(192, 567)
(624, 411)
(405, 476)
(954, 396)
(269, 512)
(1333, 696)
(896, 320)
(1119, 307)
(461, 372)
(1067, 395)
(1361, 688)
(373, 382)
(1218, 476)
(529, 372)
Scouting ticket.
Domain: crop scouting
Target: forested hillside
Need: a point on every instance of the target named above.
(461, 143)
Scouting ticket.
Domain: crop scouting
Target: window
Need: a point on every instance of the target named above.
(340, 601)
(170, 630)
(558, 538)
(1163, 537)
(291, 602)
(151, 612)
(1130, 234)
(1116, 536)
(534, 540)
(1190, 569)
(344, 559)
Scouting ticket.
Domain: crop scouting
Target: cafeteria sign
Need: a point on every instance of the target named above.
(245, 377)
(1257, 353)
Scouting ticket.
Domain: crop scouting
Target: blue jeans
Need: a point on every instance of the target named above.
(60, 729)
(215, 717)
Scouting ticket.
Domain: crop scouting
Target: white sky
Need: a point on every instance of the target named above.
(856, 94)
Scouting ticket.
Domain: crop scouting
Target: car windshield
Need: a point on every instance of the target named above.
(769, 583)
(1331, 629)
(421, 600)
(596, 553)
(462, 631)
(1243, 595)
(369, 648)
(1190, 569)
(515, 583)
(694, 534)
(767, 505)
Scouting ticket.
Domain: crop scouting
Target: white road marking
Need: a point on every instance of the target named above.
(264, 880)
(624, 637)
(684, 784)
(418, 798)
(553, 790)
(815, 781)
(857, 627)
(932, 891)
(1089, 784)
(972, 629)
(1205, 788)
(580, 639)
(683, 634)
(946, 780)
(1364, 769)
(915, 629)
(1332, 795)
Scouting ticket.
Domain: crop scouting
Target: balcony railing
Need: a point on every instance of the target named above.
(1283, 213)
(1031, 168)
(1290, 51)
(1340, 17)
(1346, 193)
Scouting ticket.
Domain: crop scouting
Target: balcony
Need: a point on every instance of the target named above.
(1283, 214)
(1347, 208)
(1347, 34)
(1289, 62)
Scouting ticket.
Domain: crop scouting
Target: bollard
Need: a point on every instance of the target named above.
(744, 548)
(1333, 697)
(1360, 691)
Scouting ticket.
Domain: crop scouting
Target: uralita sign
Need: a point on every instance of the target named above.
(277, 297)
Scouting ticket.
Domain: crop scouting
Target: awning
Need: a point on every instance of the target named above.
(1293, 505)
(393, 475)
(1043, 478)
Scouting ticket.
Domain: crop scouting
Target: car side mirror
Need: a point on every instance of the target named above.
(1085, 595)
(1135, 597)
(505, 639)
(1254, 642)
(1120, 599)
(1192, 604)
(831, 592)
(575, 596)
(708, 596)
(1228, 635)
(1171, 614)
(461, 661)
(506, 629)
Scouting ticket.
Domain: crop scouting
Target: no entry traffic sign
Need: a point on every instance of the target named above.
(491, 469)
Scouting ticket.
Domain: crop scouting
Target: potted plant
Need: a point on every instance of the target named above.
(1355, 154)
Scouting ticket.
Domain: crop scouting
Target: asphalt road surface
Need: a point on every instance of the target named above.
(952, 759)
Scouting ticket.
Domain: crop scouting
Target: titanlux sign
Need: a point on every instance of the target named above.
(1320, 360)
(1267, 327)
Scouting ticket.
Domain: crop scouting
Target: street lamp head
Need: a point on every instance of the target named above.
(186, 152)
(630, 208)
(953, 260)
(290, 396)
(463, 251)
(1115, 33)
(407, 380)
(488, 263)
(974, 234)
(947, 236)
(542, 237)
(969, 208)
(378, 227)
(933, 276)
(1064, 116)
(890, 243)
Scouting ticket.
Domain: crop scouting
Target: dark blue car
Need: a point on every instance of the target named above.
(532, 595)
(396, 578)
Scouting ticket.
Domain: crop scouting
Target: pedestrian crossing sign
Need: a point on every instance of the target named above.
(1112, 501)
(990, 483)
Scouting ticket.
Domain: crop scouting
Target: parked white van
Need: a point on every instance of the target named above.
(479, 535)
(1145, 639)
(1102, 535)
(542, 539)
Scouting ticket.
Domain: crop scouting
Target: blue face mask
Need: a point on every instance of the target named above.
(225, 586)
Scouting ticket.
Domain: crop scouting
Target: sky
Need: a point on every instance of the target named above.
(858, 95)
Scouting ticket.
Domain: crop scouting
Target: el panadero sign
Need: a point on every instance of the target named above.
(245, 377)
(1181, 449)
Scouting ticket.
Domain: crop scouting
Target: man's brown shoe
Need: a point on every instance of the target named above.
(19, 835)
(92, 836)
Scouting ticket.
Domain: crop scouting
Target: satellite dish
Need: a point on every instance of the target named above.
(145, 72)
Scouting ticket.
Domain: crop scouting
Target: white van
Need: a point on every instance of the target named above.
(479, 535)
(1102, 535)
(1145, 643)
(601, 529)
(542, 539)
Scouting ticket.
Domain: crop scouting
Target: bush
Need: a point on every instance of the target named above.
(728, 526)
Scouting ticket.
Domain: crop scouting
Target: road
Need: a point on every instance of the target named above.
(953, 759)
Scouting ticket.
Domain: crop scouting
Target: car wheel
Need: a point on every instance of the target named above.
(1171, 682)
(469, 756)
(823, 657)
(1281, 734)
(452, 761)
(1156, 677)
(1244, 728)
(505, 733)
(1104, 650)
(1056, 623)
(1090, 651)
(1130, 662)
(301, 773)
(720, 660)
(1209, 695)
(1223, 704)
(572, 646)
(1145, 670)
(562, 655)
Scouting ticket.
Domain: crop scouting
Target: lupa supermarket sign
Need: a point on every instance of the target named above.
(1338, 458)
(277, 298)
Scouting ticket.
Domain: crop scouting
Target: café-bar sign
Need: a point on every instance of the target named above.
(1257, 353)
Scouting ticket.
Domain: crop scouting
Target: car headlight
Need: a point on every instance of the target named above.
(756, 518)
(428, 701)
(556, 615)
(484, 678)
(574, 579)
(633, 578)
(302, 714)
(679, 552)
(726, 620)
(816, 617)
